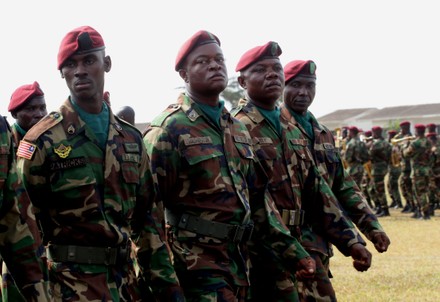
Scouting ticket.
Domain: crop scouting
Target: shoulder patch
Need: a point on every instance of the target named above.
(44, 124)
(26, 149)
(158, 121)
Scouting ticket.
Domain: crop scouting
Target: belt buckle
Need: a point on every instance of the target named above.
(238, 234)
(243, 233)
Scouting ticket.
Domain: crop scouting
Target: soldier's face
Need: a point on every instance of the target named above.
(205, 71)
(263, 82)
(299, 93)
(29, 114)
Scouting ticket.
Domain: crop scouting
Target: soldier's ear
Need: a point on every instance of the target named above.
(184, 75)
(107, 63)
(61, 73)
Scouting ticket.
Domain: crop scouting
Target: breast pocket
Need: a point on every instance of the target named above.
(204, 169)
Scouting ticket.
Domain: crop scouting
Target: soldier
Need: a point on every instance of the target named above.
(367, 182)
(206, 175)
(405, 184)
(88, 174)
(434, 181)
(394, 173)
(418, 152)
(294, 183)
(380, 154)
(27, 106)
(431, 128)
(299, 92)
(356, 155)
(19, 237)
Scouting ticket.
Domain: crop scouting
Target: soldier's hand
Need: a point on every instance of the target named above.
(361, 257)
(305, 268)
(381, 241)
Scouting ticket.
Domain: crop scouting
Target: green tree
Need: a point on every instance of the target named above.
(233, 92)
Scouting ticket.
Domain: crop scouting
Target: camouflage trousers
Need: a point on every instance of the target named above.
(393, 185)
(319, 288)
(379, 191)
(366, 187)
(405, 185)
(420, 189)
(74, 282)
(434, 189)
(271, 282)
(223, 294)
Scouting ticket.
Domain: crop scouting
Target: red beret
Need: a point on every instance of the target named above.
(294, 68)
(367, 133)
(81, 40)
(431, 134)
(268, 50)
(392, 131)
(23, 94)
(404, 123)
(420, 126)
(199, 38)
(353, 128)
(376, 128)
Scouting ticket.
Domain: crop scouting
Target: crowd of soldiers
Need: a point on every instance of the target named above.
(206, 204)
(406, 166)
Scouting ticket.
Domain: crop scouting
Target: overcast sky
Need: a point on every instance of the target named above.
(368, 53)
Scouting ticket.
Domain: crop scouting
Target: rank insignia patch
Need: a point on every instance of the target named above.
(63, 151)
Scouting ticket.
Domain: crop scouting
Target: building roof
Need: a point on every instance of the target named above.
(345, 114)
(405, 112)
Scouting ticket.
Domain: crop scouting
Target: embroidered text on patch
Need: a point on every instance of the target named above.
(242, 139)
(68, 163)
(197, 140)
(26, 150)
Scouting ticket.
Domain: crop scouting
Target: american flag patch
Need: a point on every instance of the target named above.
(26, 150)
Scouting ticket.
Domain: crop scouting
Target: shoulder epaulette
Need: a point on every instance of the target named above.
(234, 111)
(124, 122)
(158, 121)
(43, 125)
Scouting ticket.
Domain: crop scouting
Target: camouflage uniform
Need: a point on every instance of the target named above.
(405, 183)
(19, 236)
(351, 199)
(91, 203)
(367, 187)
(9, 290)
(419, 152)
(206, 173)
(352, 157)
(380, 154)
(294, 185)
(393, 177)
(434, 181)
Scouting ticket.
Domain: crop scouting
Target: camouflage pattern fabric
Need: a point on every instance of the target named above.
(294, 184)
(434, 180)
(328, 161)
(20, 242)
(380, 156)
(353, 159)
(405, 182)
(418, 152)
(91, 197)
(211, 172)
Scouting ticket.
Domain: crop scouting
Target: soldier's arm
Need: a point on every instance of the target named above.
(153, 253)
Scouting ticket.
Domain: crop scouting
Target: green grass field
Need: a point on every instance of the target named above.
(408, 271)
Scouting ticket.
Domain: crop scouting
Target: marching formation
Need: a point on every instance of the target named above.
(206, 204)
(410, 162)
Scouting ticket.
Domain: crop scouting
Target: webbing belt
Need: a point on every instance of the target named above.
(219, 230)
(88, 254)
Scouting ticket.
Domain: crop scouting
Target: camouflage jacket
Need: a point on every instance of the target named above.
(380, 154)
(209, 171)
(20, 242)
(329, 164)
(404, 162)
(419, 154)
(294, 182)
(87, 196)
(16, 137)
(435, 159)
(352, 156)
